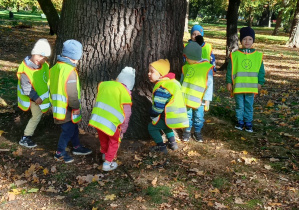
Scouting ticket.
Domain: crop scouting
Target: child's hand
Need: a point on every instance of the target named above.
(259, 86)
(207, 105)
(76, 111)
(39, 101)
(229, 87)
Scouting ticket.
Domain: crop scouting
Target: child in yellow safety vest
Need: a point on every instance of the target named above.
(33, 92)
(197, 86)
(168, 110)
(197, 33)
(65, 99)
(111, 114)
(244, 77)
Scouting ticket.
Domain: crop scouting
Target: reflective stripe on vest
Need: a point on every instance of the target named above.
(195, 83)
(108, 113)
(175, 109)
(245, 68)
(38, 79)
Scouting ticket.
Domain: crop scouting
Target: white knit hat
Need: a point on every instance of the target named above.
(127, 77)
(41, 47)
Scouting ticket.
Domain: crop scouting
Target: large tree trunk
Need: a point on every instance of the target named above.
(187, 17)
(278, 22)
(123, 33)
(294, 34)
(51, 14)
(231, 30)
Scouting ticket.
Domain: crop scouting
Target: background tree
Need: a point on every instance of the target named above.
(280, 9)
(123, 33)
(187, 17)
(51, 14)
(294, 34)
(231, 30)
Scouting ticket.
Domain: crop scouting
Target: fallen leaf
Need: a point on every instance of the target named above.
(214, 190)
(137, 158)
(220, 206)
(243, 139)
(59, 197)
(20, 182)
(33, 190)
(268, 167)
(110, 197)
(273, 160)
(1, 132)
(238, 201)
(270, 103)
(46, 171)
(11, 196)
(113, 205)
(53, 169)
(154, 182)
(17, 153)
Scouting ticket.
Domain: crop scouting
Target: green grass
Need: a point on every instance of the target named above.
(158, 194)
(22, 15)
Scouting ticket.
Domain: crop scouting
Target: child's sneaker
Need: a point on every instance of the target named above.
(240, 125)
(173, 145)
(109, 166)
(198, 137)
(81, 151)
(26, 141)
(186, 136)
(159, 149)
(248, 127)
(63, 156)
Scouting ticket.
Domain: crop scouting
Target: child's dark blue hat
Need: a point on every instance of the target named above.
(247, 31)
(72, 49)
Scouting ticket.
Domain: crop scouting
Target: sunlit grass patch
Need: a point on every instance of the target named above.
(158, 194)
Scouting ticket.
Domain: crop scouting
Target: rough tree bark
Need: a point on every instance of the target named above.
(123, 33)
(187, 17)
(231, 30)
(294, 34)
(51, 14)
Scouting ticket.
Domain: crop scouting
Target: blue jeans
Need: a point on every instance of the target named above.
(196, 118)
(244, 106)
(70, 132)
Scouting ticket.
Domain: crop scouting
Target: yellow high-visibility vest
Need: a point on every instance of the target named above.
(245, 69)
(206, 52)
(107, 114)
(39, 81)
(195, 83)
(175, 109)
(59, 75)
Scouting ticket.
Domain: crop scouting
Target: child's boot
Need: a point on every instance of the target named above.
(109, 166)
(160, 147)
(198, 137)
(248, 127)
(240, 125)
(186, 136)
(172, 144)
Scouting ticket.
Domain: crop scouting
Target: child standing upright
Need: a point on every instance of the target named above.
(244, 77)
(111, 114)
(197, 33)
(168, 110)
(197, 86)
(33, 92)
(65, 98)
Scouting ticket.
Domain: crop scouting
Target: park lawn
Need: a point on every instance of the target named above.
(232, 169)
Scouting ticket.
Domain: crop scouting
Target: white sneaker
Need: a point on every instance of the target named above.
(109, 166)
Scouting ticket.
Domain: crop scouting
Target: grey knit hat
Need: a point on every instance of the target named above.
(41, 47)
(72, 49)
(193, 51)
(127, 77)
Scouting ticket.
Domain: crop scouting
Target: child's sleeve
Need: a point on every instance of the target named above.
(161, 98)
(209, 91)
(261, 75)
(128, 111)
(213, 61)
(27, 88)
(229, 72)
(71, 89)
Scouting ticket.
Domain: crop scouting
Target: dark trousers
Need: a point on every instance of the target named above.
(70, 132)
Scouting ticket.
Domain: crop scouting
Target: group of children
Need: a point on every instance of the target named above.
(175, 105)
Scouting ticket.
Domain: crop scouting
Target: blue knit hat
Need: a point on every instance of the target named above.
(72, 49)
(247, 31)
(197, 28)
